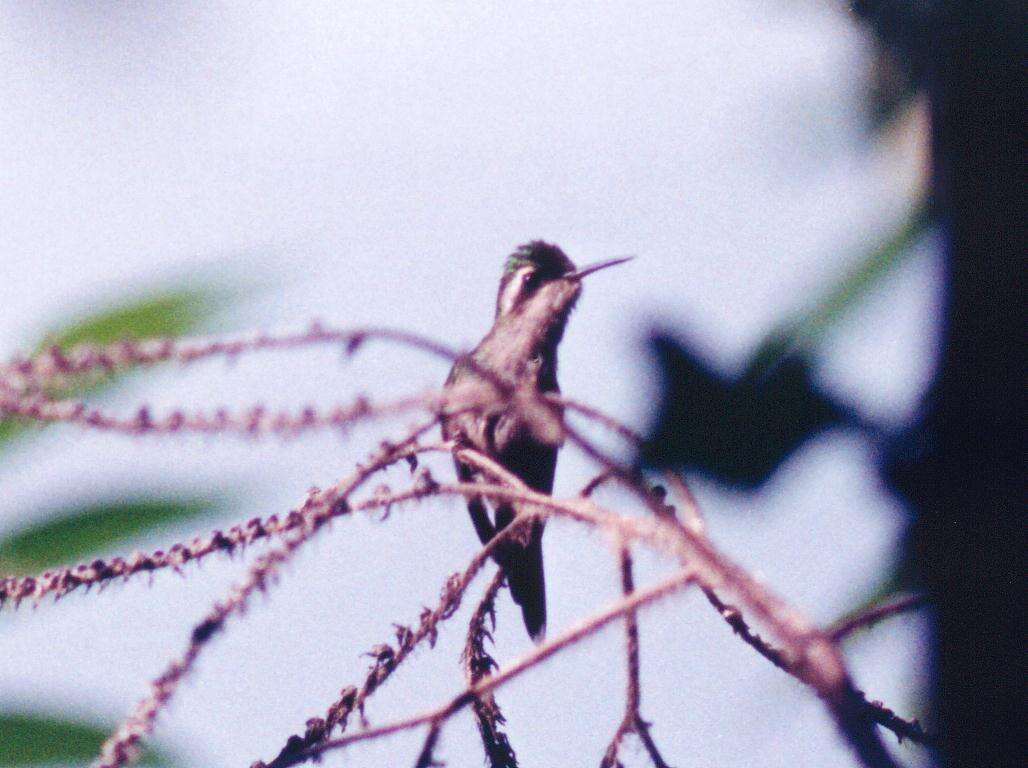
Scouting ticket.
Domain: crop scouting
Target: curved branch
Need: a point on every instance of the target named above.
(55, 364)
(872, 615)
(61, 581)
(253, 422)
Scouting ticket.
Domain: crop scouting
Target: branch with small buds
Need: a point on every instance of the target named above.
(56, 367)
(876, 613)
(807, 653)
(479, 664)
(122, 748)
(435, 718)
(252, 423)
(61, 581)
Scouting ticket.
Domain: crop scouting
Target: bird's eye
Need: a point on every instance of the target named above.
(531, 280)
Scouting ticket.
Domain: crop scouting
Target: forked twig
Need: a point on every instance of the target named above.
(540, 654)
(633, 721)
(387, 658)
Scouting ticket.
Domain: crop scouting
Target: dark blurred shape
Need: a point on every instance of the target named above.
(898, 64)
(961, 468)
(739, 430)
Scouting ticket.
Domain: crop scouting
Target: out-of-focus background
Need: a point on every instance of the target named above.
(230, 167)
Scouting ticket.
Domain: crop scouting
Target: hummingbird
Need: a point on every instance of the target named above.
(538, 289)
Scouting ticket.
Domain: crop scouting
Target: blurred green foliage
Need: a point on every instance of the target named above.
(172, 312)
(803, 333)
(31, 739)
(69, 534)
(740, 429)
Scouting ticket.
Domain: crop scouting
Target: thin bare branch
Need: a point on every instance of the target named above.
(874, 711)
(590, 488)
(632, 722)
(733, 617)
(425, 756)
(877, 712)
(876, 613)
(595, 414)
(632, 694)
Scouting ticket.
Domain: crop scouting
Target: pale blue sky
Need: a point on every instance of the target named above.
(375, 165)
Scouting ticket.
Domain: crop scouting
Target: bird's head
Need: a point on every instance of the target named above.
(541, 282)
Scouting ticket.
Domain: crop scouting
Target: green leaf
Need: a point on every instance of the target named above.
(803, 333)
(37, 739)
(71, 534)
(172, 312)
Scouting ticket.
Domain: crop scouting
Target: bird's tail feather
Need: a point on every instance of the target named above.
(523, 565)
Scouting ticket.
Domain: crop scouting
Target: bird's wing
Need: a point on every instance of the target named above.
(476, 505)
(454, 428)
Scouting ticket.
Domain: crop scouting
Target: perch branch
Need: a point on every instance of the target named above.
(814, 657)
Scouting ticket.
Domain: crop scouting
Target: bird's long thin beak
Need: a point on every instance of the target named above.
(596, 267)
